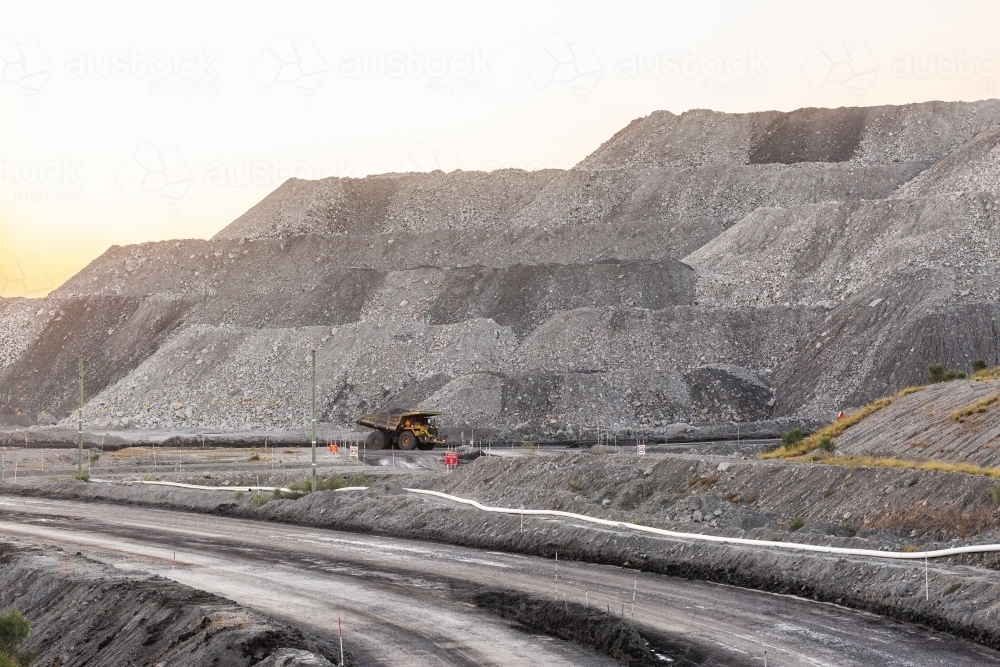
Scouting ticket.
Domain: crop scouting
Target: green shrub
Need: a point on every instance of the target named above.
(14, 629)
(253, 457)
(978, 365)
(95, 457)
(995, 492)
(258, 499)
(826, 444)
(937, 373)
(796, 523)
(953, 588)
(303, 486)
(361, 479)
(240, 494)
(792, 437)
(83, 477)
(576, 484)
(331, 483)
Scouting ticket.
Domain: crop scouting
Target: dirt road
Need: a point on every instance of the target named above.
(408, 602)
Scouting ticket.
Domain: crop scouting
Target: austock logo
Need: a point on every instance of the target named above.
(561, 62)
(22, 275)
(150, 170)
(733, 73)
(24, 63)
(452, 74)
(286, 62)
(273, 172)
(946, 65)
(180, 74)
(839, 62)
(47, 182)
(424, 157)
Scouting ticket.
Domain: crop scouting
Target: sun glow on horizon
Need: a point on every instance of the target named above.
(126, 124)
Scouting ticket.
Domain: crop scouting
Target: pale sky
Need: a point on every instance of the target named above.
(129, 122)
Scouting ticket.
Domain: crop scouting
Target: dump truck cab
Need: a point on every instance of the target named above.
(405, 430)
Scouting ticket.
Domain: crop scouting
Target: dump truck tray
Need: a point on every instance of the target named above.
(391, 421)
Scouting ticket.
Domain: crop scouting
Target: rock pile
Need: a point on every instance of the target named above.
(700, 269)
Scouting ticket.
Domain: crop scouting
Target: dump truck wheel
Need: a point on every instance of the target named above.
(407, 441)
(424, 446)
(376, 440)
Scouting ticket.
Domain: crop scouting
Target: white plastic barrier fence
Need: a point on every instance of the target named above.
(199, 487)
(699, 537)
(870, 553)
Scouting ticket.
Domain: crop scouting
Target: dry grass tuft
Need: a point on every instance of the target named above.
(987, 374)
(128, 452)
(837, 428)
(710, 481)
(704, 482)
(853, 461)
(978, 407)
(944, 522)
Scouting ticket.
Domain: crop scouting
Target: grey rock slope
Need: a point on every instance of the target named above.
(86, 613)
(955, 422)
(698, 268)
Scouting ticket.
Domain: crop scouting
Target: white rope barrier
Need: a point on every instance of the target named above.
(700, 537)
(794, 546)
(208, 488)
(199, 487)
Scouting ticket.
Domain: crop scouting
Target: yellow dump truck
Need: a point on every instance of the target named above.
(406, 430)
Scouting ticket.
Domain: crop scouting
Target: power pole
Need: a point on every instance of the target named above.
(79, 436)
(314, 421)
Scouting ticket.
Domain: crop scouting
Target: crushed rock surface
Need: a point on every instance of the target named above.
(700, 269)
